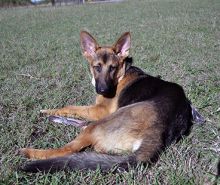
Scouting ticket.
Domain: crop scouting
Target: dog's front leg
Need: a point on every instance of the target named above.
(93, 112)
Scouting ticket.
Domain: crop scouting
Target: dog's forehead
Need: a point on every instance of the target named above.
(106, 55)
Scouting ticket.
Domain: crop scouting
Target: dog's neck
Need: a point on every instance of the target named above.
(128, 62)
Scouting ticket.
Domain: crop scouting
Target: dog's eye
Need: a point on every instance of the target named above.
(97, 68)
(112, 68)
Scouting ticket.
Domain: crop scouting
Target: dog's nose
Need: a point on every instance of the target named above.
(103, 90)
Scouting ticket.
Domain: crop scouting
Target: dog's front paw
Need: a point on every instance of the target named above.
(48, 111)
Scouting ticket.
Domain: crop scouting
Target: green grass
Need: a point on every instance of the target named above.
(41, 67)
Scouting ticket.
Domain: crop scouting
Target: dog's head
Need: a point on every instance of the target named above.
(107, 64)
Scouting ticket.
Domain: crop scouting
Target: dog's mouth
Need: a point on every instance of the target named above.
(106, 92)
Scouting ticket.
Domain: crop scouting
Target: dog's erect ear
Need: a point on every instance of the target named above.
(123, 45)
(88, 44)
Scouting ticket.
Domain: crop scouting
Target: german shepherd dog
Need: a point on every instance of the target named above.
(134, 118)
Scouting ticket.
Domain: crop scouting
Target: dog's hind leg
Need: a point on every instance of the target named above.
(83, 140)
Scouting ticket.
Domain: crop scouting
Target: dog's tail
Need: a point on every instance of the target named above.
(81, 161)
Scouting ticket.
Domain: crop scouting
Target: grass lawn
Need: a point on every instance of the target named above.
(41, 67)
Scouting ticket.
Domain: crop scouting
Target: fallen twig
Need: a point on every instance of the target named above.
(27, 75)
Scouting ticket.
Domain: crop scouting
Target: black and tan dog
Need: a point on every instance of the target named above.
(134, 118)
